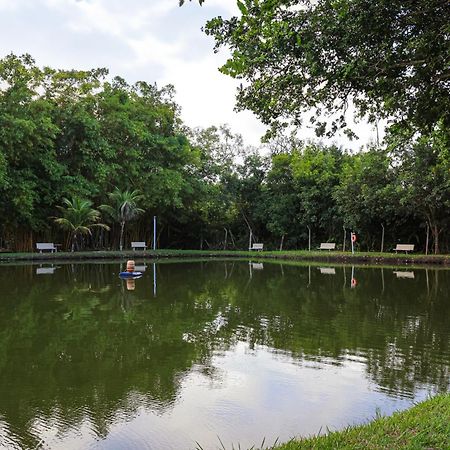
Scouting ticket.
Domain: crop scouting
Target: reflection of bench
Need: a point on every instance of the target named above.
(327, 246)
(46, 246)
(135, 245)
(404, 274)
(404, 248)
(257, 266)
(45, 270)
(258, 247)
(327, 270)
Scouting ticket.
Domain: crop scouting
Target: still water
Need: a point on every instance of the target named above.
(197, 351)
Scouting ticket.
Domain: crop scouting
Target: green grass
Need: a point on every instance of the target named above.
(425, 426)
(299, 255)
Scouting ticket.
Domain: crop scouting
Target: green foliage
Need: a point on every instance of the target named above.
(390, 58)
(75, 134)
(123, 208)
(78, 217)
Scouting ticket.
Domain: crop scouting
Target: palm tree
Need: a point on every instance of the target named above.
(78, 217)
(123, 208)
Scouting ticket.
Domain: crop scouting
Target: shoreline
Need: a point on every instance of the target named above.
(293, 255)
(424, 425)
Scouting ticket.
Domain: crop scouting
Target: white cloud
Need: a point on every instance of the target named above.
(151, 40)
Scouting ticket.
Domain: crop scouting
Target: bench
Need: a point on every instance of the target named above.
(135, 245)
(46, 246)
(258, 247)
(327, 246)
(327, 270)
(404, 274)
(404, 248)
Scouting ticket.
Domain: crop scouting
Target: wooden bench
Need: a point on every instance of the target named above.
(327, 246)
(46, 246)
(258, 247)
(404, 248)
(135, 245)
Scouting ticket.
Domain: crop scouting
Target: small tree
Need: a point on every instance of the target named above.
(123, 208)
(78, 217)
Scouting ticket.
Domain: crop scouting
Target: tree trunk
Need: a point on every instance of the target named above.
(382, 239)
(435, 231)
(281, 243)
(226, 237)
(122, 227)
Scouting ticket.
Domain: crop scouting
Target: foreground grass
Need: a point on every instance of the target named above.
(425, 426)
(300, 255)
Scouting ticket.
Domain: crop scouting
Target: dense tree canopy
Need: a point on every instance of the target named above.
(81, 135)
(391, 58)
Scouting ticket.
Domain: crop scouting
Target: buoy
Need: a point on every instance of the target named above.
(130, 266)
(130, 274)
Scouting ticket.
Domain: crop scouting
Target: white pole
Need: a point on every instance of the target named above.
(154, 232)
(353, 247)
(309, 238)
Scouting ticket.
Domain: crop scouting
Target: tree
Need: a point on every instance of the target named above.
(78, 217)
(368, 197)
(390, 57)
(424, 175)
(123, 208)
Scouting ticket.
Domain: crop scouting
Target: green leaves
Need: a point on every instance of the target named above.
(299, 57)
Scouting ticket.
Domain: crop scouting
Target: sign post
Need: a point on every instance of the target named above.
(353, 239)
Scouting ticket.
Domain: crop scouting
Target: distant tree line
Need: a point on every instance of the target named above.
(78, 139)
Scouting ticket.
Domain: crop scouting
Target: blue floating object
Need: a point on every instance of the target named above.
(130, 274)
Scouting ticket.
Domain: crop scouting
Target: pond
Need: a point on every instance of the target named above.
(198, 351)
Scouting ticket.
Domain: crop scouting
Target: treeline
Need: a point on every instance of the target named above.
(80, 135)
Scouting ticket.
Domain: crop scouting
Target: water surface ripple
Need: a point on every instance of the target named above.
(193, 351)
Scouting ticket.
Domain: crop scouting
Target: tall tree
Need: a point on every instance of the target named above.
(79, 218)
(123, 208)
(390, 57)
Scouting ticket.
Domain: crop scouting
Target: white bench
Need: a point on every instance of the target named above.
(135, 245)
(404, 248)
(258, 247)
(46, 246)
(327, 270)
(404, 274)
(327, 246)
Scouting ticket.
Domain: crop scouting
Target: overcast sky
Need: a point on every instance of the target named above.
(150, 40)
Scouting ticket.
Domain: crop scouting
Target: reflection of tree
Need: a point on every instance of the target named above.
(77, 345)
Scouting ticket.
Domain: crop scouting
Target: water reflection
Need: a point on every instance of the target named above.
(84, 350)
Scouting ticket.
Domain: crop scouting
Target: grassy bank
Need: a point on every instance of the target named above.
(425, 426)
(300, 255)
